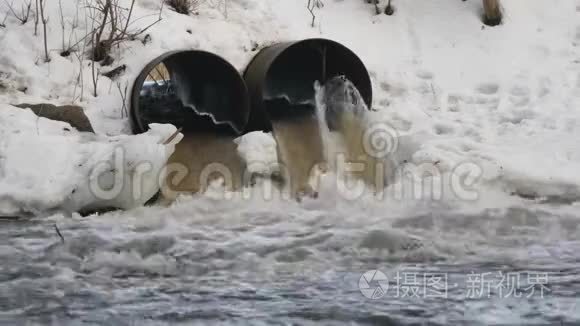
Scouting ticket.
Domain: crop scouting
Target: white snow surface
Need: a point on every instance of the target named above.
(46, 165)
(504, 99)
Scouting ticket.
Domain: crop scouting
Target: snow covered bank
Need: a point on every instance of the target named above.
(505, 98)
(47, 165)
(65, 80)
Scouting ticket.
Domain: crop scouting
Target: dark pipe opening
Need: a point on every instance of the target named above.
(281, 78)
(196, 90)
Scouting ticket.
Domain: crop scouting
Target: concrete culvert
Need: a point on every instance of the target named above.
(207, 97)
(196, 90)
(281, 81)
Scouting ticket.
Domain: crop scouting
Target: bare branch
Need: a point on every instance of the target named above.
(44, 22)
(112, 15)
(311, 5)
(123, 94)
(173, 136)
(62, 25)
(128, 18)
(79, 80)
(58, 232)
(95, 74)
(36, 18)
(25, 11)
(3, 23)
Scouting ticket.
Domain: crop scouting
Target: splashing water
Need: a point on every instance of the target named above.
(199, 159)
(309, 134)
(299, 144)
(347, 123)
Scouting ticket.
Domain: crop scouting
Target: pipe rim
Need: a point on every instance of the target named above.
(286, 46)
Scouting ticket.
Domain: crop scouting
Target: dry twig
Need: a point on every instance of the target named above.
(24, 11)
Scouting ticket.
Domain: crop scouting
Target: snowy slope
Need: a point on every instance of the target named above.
(503, 99)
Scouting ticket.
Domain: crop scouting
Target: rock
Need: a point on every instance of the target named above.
(72, 114)
(115, 72)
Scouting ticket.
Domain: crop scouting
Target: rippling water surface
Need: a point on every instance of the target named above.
(205, 261)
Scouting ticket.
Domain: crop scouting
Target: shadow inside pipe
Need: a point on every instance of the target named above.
(288, 71)
(195, 90)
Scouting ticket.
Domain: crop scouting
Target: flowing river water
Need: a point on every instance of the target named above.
(204, 261)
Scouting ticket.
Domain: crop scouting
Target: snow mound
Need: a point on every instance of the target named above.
(48, 166)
